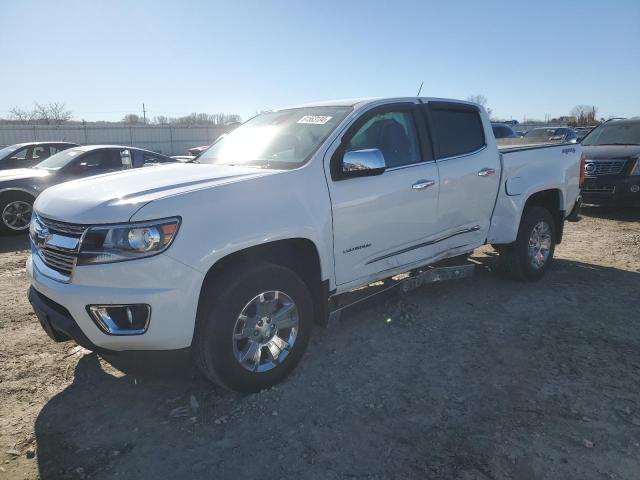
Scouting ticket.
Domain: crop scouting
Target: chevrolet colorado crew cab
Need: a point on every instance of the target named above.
(230, 261)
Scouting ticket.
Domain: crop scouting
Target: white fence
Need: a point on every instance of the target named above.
(167, 139)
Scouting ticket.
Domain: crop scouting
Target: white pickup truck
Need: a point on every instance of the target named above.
(230, 261)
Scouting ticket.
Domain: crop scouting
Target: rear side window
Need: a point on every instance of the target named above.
(457, 130)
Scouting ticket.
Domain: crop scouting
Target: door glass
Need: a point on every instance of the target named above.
(97, 162)
(20, 154)
(39, 153)
(458, 131)
(393, 133)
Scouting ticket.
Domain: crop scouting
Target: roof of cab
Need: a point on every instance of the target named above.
(56, 142)
(361, 102)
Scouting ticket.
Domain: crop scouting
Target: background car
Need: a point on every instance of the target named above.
(612, 164)
(582, 132)
(20, 187)
(502, 130)
(552, 134)
(25, 155)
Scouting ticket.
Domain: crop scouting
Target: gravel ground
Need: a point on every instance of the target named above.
(481, 378)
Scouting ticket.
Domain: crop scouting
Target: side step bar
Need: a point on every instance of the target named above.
(403, 283)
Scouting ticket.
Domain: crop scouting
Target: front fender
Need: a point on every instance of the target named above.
(222, 220)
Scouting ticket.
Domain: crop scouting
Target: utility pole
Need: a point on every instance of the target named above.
(144, 115)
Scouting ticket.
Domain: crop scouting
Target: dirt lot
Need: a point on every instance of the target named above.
(476, 379)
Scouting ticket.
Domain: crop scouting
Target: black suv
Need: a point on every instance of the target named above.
(612, 164)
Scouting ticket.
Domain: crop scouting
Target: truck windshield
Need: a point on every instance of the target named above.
(59, 160)
(614, 133)
(283, 139)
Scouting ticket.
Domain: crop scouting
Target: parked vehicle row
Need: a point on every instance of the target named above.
(612, 164)
(553, 134)
(230, 261)
(19, 187)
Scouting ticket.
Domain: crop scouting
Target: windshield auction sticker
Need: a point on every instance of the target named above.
(314, 119)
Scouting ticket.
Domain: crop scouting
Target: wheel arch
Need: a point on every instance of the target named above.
(298, 254)
(9, 190)
(552, 200)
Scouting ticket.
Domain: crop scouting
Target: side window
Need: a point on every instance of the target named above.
(100, 161)
(458, 131)
(20, 154)
(393, 133)
(40, 152)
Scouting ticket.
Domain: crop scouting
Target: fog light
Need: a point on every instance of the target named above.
(121, 319)
(635, 188)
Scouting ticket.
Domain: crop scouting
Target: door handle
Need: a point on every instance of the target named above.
(422, 184)
(486, 172)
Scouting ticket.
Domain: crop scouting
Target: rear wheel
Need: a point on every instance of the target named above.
(529, 257)
(15, 212)
(253, 327)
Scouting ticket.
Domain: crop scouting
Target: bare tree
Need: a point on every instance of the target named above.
(20, 115)
(480, 100)
(58, 112)
(161, 120)
(585, 115)
(52, 113)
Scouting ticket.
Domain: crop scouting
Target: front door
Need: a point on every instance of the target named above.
(383, 222)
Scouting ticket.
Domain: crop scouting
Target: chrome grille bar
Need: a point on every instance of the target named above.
(57, 245)
(596, 168)
(63, 227)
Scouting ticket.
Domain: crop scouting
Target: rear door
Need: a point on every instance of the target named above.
(382, 222)
(469, 167)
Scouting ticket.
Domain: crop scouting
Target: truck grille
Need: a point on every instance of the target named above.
(61, 262)
(72, 229)
(56, 244)
(596, 168)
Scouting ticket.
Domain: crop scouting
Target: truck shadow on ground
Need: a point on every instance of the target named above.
(13, 243)
(491, 382)
(612, 213)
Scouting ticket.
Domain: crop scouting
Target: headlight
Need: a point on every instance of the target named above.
(635, 169)
(116, 243)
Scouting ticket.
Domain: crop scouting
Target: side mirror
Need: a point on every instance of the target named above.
(363, 163)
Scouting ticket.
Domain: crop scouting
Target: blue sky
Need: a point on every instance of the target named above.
(104, 58)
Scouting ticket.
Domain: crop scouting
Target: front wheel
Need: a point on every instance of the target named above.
(15, 212)
(253, 326)
(529, 257)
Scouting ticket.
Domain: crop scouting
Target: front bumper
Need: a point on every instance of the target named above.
(170, 287)
(611, 191)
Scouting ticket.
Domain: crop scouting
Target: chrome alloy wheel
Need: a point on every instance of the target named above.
(539, 245)
(17, 215)
(265, 331)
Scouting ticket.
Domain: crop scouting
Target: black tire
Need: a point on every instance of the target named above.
(7, 199)
(515, 258)
(223, 299)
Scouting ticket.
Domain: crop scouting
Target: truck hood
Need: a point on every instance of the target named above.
(22, 173)
(115, 197)
(604, 152)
